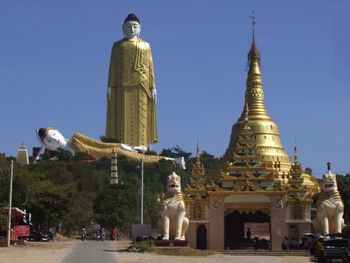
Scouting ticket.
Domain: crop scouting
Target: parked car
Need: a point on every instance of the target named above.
(332, 250)
(39, 236)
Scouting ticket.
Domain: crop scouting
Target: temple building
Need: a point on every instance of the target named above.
(22, 155)
(260, 195)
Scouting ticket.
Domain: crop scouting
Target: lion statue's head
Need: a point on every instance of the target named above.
(329, 182)
(174, 183)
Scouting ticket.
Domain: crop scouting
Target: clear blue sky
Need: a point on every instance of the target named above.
(54, 58)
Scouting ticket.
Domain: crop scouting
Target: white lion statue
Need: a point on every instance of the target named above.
(174, 222)
(329, 207)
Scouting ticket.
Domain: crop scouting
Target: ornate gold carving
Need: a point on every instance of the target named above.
(217, 203)
(247, 208)
(276, 186)
(279, 203)
(197, 210)
(213, 187)
(198, 196)
(248, 187)
(256, 92)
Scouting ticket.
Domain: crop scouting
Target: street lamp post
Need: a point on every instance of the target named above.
(10, 208)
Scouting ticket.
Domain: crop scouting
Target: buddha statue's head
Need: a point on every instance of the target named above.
(51, 138)
(174, 183)
(132, 27)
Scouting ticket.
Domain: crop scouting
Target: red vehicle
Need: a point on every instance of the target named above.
(19, 228)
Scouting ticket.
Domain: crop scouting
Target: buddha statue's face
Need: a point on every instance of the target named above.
(132, 30)
(54, 140)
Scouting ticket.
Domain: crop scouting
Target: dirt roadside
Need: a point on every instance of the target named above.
(35, 252)
(131, 257)
(54, 252)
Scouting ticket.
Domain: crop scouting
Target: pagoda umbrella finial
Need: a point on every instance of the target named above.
(328, 166)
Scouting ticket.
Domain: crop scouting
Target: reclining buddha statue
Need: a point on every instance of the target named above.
(53, 140)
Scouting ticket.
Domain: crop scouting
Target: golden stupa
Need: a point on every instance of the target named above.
(258, 186)
(265, 130)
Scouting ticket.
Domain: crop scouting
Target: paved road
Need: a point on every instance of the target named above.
(90, 251)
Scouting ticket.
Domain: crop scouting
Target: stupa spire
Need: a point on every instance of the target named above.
(197, 178)
(263, 128)
(295, 154)
(253, 52)
(254, 95)
(198, 158)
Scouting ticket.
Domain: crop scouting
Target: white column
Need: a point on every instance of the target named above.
(10, 208)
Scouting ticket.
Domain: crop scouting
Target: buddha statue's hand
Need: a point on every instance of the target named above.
(141, 148)
(154, 95)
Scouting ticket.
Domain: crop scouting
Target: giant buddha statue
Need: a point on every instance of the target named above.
(131, 96)
(53, 140)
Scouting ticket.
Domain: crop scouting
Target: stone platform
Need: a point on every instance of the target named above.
(171, 243)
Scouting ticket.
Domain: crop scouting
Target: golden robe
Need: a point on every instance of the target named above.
(131, 111)
(82, 143)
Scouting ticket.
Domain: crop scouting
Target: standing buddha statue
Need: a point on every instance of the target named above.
(131, 96)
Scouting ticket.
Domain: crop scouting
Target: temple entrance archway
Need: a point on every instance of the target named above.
(201, 237)
(235, 232)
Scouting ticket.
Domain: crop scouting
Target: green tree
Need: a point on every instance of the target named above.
(71, 193)
(50, 203)
(308, 170)
(3, 219)
(344, 190)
